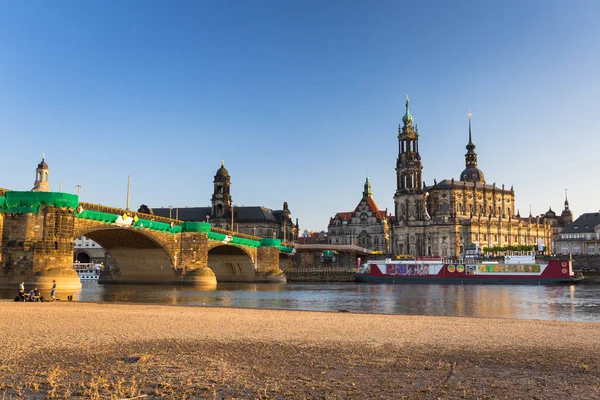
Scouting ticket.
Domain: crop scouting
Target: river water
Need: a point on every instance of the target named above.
(556, 302)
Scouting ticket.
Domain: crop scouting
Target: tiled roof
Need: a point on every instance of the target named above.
(184, 214)
(585, 223)
(447, 183)
(379, 214)
(241, 214)
(344, 216)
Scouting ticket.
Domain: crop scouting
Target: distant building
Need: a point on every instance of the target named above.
(313, 238)
(87, 251)
(367, 226)
(581, 236)
(558, 222)
(441, 219)
(251, 220)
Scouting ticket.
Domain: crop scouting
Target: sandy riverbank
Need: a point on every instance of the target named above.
(79, 350)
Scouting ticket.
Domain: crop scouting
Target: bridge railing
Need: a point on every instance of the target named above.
(232, 233)
(120, 211)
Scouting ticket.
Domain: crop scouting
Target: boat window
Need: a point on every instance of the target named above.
(471, 269)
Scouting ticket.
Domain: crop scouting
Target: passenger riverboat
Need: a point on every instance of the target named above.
(512, 269)
(88, 271)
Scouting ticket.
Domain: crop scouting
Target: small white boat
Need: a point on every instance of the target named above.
(88, 271)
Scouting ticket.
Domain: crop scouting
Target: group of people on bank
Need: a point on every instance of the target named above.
(34, 294)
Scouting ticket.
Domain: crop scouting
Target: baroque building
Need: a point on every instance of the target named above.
(441, 219)
(251, 220)
(581, 236)
(366, 226)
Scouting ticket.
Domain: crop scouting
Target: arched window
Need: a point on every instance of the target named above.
(444, 207)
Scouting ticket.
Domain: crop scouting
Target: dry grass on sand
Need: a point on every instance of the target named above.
(110, 351)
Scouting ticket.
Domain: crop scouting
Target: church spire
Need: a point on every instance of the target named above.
(367, 192)
(407, 118)
(567, 214)
(471, 172)
(470, 145)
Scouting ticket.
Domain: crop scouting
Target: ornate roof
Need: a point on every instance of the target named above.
(222, 171)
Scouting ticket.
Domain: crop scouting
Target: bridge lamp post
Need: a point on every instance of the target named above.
(170, 211)
(78, 187)
(232, 212)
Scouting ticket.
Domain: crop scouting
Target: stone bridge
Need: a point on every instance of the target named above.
(38, 230)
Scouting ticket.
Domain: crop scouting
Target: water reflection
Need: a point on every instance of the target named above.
(574, 303)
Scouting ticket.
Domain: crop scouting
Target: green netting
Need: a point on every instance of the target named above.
(202, 227)
(268, 242)
(285, 249)
(97, 216)
(20, 210)
(216, 236)
(245, 242)
(156, 226)
(2, 201)
(33, 199)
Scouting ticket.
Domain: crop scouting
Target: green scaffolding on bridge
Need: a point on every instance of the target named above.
(16, 202)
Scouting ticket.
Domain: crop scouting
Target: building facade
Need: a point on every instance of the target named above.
(367, 226)
(85, 250)
(581, 237)
(441, 219)
(251, 220)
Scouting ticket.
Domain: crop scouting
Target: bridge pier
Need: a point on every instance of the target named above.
(194, 260)
(267, 268)
(38, 248)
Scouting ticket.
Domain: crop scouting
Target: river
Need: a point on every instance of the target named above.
(556, 302)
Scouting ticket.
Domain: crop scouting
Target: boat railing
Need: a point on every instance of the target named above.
(82, 266)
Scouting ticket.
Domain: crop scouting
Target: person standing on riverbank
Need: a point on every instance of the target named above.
(22, 291)
(53, 291)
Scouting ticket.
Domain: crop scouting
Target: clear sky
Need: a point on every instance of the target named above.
(301, 99)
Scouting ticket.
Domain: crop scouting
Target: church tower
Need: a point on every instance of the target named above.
(471, 172)
(367, 192)
(221, 198)
(42, 173)
(409, 185)
(567, 214)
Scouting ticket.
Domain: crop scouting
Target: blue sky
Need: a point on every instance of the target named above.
(301, 99)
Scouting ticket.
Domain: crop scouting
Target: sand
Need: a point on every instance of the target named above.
(104, 351)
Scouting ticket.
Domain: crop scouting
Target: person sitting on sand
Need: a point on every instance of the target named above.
(30, 295)
(36, 295)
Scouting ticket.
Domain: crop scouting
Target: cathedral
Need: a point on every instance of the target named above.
(441, 219)
(250, 220)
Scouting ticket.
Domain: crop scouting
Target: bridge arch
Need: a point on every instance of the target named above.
(231, 263)
(136, 255)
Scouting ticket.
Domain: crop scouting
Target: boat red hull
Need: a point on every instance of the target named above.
(552, 272)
